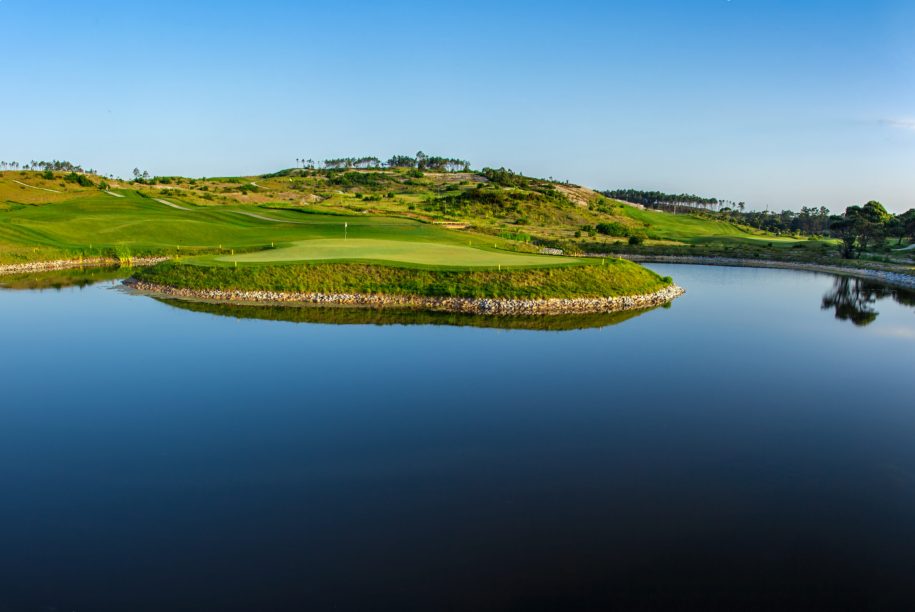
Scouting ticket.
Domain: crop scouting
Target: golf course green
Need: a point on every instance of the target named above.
(399, 251)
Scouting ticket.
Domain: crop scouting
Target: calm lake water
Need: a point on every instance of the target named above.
(751, 446)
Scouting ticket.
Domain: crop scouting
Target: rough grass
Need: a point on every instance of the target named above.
(611, 278)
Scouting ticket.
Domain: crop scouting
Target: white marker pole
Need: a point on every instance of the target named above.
(345, 227)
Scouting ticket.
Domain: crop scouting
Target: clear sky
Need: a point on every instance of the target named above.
(777, 103)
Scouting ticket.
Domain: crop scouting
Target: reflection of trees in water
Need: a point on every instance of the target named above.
(853, 299)
(370, 316)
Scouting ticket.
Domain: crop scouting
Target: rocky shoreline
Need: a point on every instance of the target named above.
(487, 306)
(67, 264)
(898, 279)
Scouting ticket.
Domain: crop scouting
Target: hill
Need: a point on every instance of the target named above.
(47, 215)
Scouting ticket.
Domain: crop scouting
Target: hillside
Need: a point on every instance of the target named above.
(44, 217)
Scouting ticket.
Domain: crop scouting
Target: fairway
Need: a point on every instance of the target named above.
(136, 225)
(420, 253)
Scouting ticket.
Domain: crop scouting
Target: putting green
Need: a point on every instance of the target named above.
(423, 253)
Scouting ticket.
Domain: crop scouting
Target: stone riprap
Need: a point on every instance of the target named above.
(66, 264)
(488, 306)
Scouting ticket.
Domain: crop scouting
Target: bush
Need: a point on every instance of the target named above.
(613, 229)
(81, 179)
(47, 175)
(636, 240)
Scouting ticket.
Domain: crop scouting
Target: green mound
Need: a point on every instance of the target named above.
(610, 278)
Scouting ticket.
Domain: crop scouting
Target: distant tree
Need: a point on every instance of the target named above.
(860, 226)
(904, 225)
(401, 161)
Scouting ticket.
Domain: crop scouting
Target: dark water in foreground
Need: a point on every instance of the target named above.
(743, 449)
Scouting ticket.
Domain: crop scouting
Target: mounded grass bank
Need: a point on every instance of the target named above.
(611, 278)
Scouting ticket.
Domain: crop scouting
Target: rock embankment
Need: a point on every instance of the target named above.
(488, 306)
(66, 264)
(899, 279)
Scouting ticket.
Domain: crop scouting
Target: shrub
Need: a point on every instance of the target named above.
(636, 240)
(47, 175)
(613, 229)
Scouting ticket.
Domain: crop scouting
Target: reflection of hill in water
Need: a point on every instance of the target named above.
(854, 299)
(59, 279)
(365, 316)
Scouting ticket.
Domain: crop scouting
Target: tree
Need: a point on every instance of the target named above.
(906, 223)
(845, 228)
(860, 227)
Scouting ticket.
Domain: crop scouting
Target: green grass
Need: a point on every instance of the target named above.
(382, 205)
(99, 224)
(399, 251)
(695, 229)
(607, 279)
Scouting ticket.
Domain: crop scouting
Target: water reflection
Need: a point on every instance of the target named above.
(60, 279)
(366, 316)
(854, 299)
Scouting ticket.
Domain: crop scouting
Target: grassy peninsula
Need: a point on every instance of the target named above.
(611, 278)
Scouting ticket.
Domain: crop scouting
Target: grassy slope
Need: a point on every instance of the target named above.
(610, 278)
(378, 205)
(79, 216)
(692, 229)
(96, 223)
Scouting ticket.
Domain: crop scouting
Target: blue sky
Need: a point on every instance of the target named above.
(775, 103)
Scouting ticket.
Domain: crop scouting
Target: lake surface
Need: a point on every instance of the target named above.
(751, 446)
